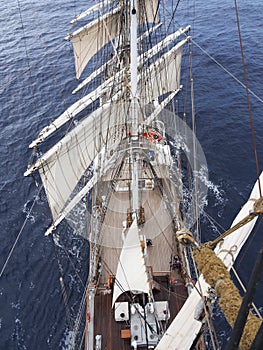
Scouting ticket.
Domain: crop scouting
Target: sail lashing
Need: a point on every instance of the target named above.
(227, 251)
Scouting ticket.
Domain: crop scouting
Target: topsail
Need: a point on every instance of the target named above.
(88, 40)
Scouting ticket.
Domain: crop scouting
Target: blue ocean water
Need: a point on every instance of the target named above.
(32, 312)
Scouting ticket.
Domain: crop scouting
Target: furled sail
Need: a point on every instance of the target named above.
(66, 162)
(177, 336)
(131, 272)
(235, 241)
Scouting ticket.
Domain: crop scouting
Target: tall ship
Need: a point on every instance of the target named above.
(130, 159)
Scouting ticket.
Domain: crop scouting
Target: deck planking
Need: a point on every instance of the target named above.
(105, 324)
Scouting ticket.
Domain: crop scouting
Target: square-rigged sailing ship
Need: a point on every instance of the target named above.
(127, 152)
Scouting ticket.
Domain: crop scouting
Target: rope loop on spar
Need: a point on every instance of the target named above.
(231, 251)
(20, 232)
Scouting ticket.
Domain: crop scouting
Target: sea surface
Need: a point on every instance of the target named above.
(33, 314)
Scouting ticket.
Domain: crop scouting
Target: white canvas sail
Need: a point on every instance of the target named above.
(150, 53)
(148, 11)
(162, 44)
(166, 71)
(87, 41)
(77, 198)
(184, 329)
(136, 74)
(65, 163)
(178, 337)
(229, 249)
(75, 109)
(131, 272)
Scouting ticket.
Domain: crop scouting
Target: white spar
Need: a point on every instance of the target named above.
(184, 328)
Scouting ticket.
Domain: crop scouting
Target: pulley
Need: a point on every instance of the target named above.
(185, 237)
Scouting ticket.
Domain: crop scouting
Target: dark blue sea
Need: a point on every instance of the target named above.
(32, 312)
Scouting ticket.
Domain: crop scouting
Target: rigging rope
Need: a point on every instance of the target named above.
(244, 290)
(252, 236)
(251, 216)
(72, 264)
(213, 337)
(27, 55)
(20, 232)
(248, 100)
(66, 300)
(174, 11)
(226, 70)
(79, 317)
(61, 281)
(10, 81)
(195, 182)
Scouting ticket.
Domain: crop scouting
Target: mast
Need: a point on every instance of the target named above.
(134, 112)
(133, 54)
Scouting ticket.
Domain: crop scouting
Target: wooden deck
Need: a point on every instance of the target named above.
(171, 289)
(159, 232)
(158, 228)
(168, 281)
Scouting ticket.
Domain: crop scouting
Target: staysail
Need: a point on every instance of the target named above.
(131, 272)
